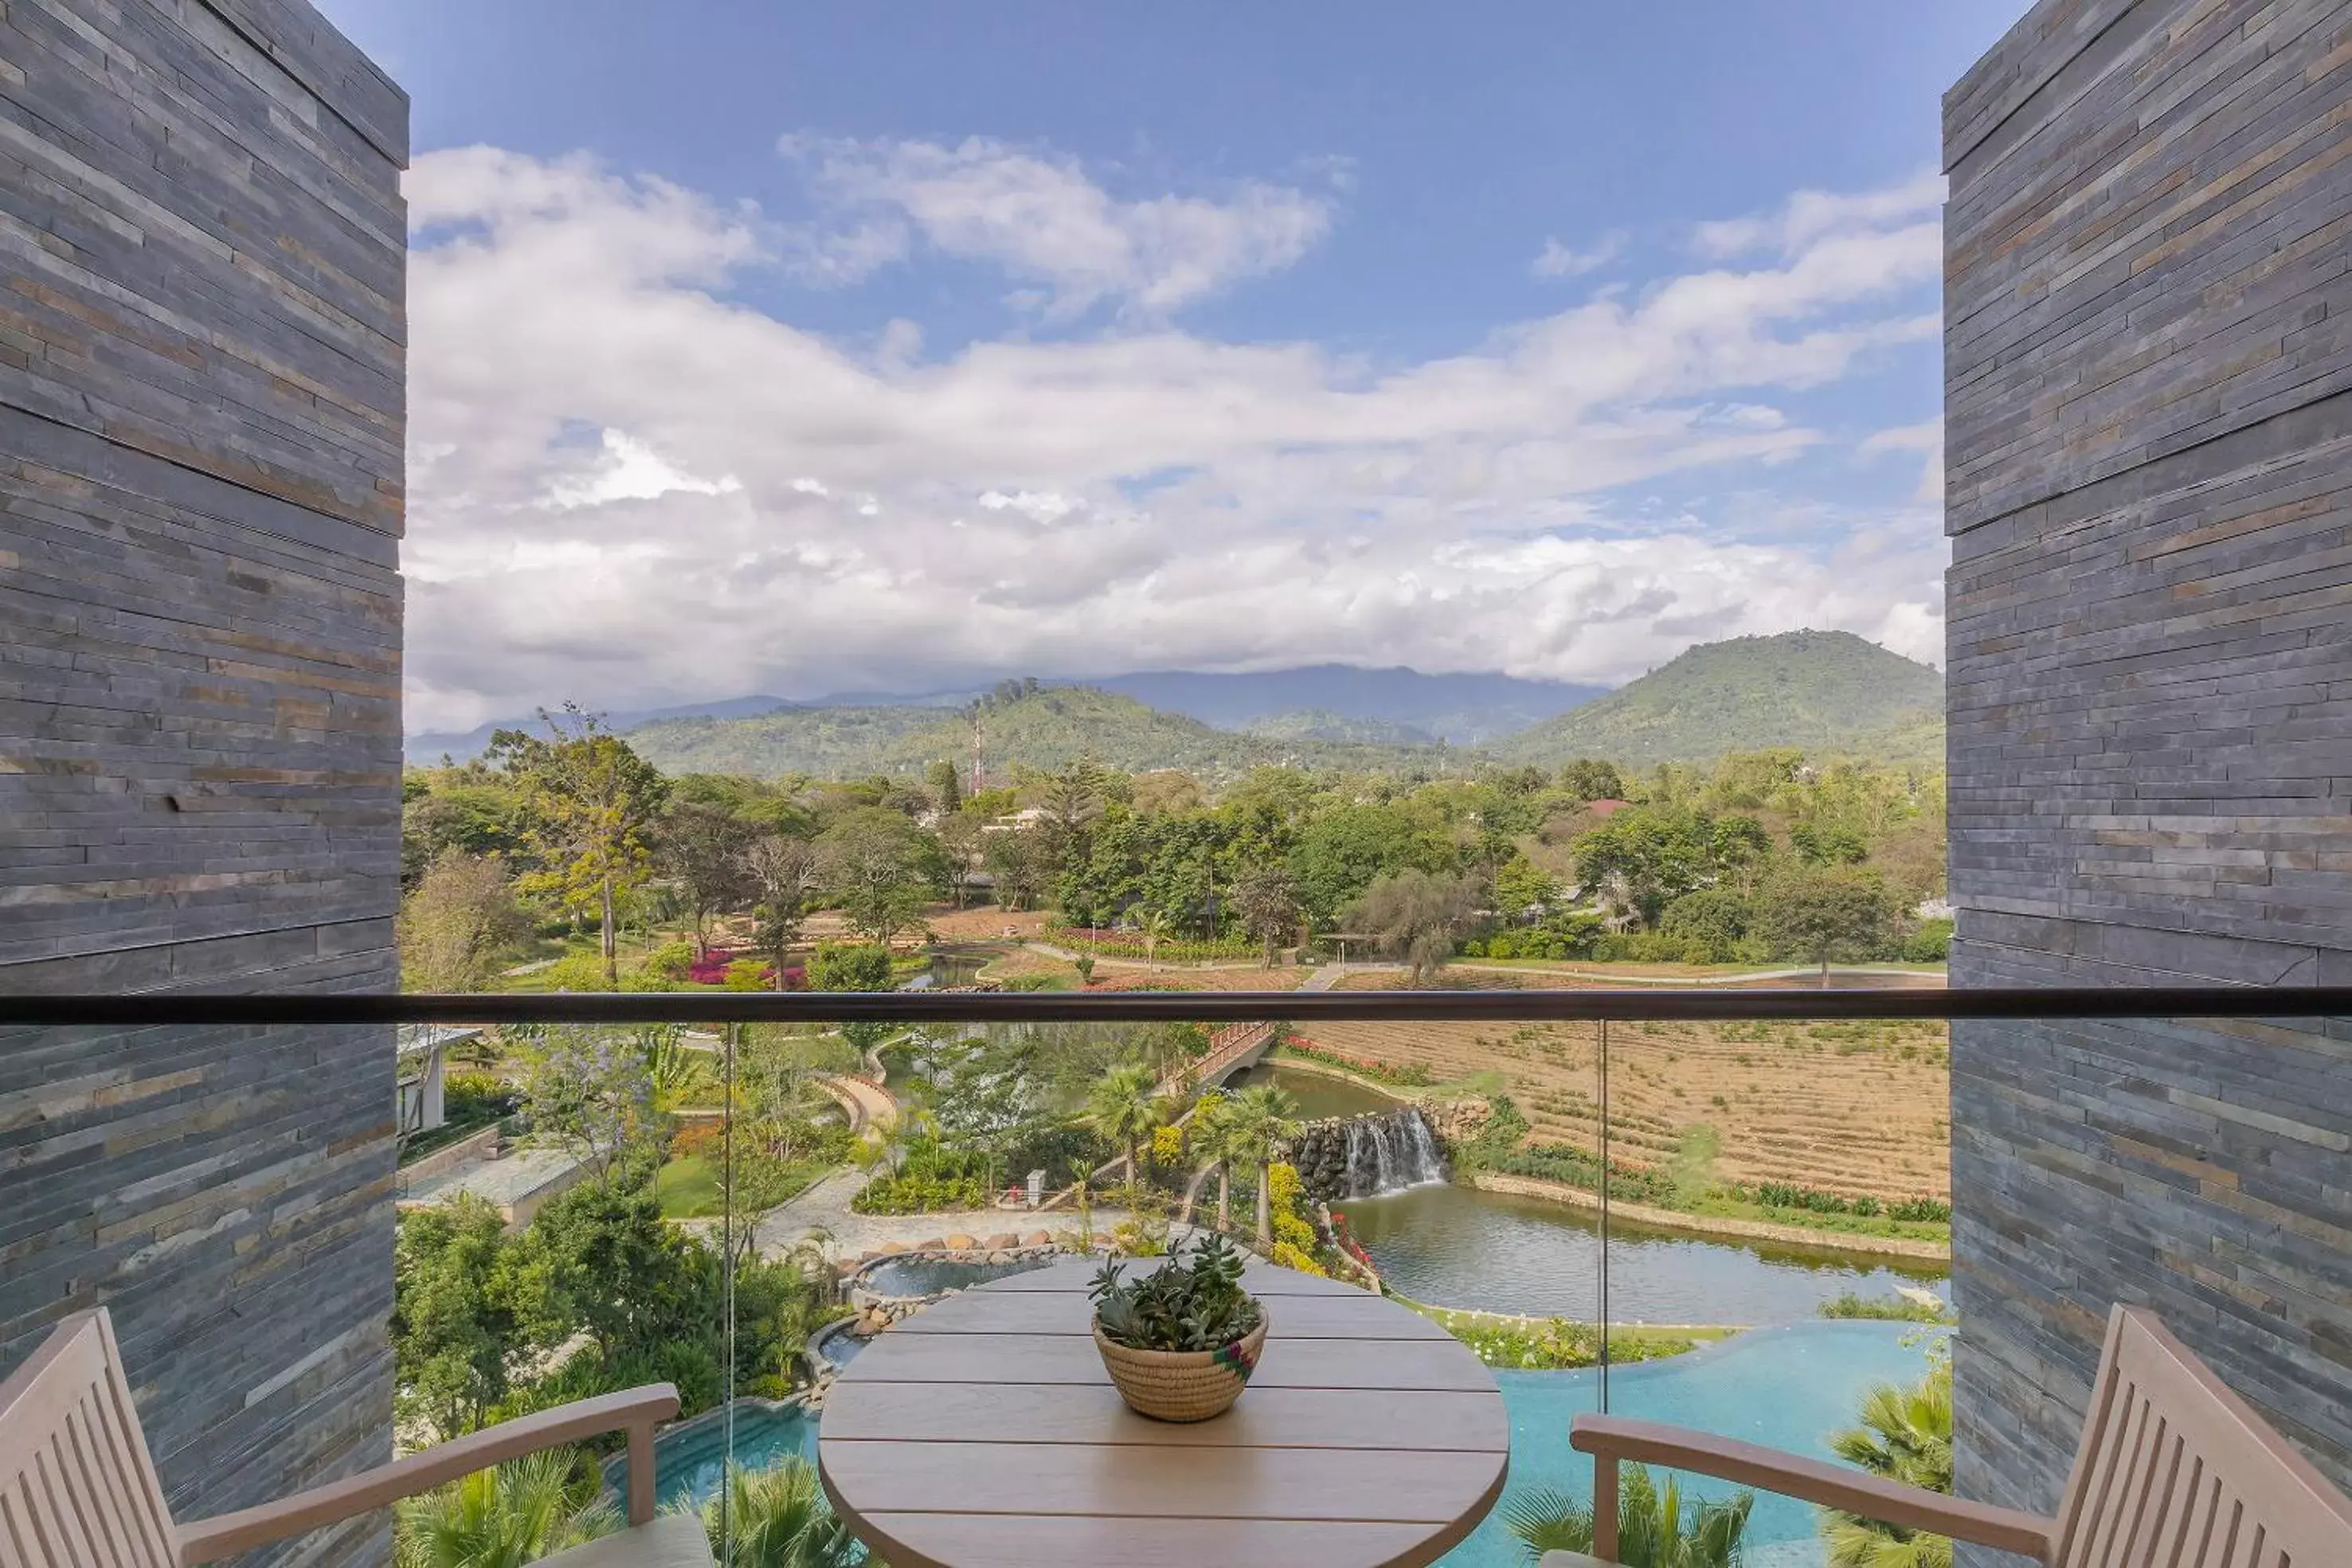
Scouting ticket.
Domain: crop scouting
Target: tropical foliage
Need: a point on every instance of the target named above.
(516, 1513)
(1192, 1301)
(777, 1518)
(1905, 1434)
(1653, 1531)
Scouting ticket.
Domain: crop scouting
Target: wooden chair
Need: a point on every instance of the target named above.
(78, 1490)
(2174, 1471)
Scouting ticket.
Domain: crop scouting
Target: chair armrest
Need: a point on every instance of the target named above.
(632, 1409)
(1609, 1438)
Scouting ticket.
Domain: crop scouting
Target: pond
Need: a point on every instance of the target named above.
(948, 970)
(1458, 1246)
(929, 1276)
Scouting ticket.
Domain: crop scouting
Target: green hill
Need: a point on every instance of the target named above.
(1830, 692)
(1048, 729)
(1323, 724)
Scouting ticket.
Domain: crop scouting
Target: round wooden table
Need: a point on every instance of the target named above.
(983, 1433)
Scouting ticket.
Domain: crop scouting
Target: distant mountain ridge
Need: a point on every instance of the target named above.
(1826, 692)
(1461, 709)
(1048, 729)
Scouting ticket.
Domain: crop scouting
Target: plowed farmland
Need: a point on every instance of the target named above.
(1854, 1108)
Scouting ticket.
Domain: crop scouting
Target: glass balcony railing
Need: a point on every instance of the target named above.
(1723, 1210)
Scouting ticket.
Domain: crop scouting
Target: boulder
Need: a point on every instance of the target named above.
(893, 1248)
(932, 1245)
(1001, 1240)
(1038, 1238)
(959, 1242)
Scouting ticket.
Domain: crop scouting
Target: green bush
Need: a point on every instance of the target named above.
(670, 961)
(1930, 943)
(1884, 1309)
(478, 1097)
(908, 1193)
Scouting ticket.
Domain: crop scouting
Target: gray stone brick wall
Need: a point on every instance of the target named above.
(202, 371)
(2149, 429)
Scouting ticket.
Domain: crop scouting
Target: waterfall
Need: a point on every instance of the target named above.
(1390, 1153)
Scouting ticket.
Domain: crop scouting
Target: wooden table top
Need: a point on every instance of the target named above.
(983, 1432)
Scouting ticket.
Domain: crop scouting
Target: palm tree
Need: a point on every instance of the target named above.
(522, 1511)
(1651, 1529)
(1906, 1436)
(1155, 931)
(1125, 1106)
(1265, 1120)
(777, 1518)
(1213, 1136)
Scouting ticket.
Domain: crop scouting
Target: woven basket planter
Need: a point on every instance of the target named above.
(1182, 1384)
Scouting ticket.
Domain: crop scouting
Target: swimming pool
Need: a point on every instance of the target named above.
(1784, 1387)
(690, 1462)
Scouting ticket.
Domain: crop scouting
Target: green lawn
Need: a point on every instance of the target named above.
(688, 1189)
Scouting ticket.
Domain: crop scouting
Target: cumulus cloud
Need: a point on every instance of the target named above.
(1812, 215)
(630, 486)
(1042, 219)
(1557, 260)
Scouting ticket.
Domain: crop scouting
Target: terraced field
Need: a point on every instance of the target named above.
(1853, 1108)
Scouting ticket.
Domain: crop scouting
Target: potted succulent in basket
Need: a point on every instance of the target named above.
(1180, 1342)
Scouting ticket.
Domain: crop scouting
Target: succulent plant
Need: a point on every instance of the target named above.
(1194, 1301)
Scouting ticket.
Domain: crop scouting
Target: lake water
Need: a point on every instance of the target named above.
(1458, 1246)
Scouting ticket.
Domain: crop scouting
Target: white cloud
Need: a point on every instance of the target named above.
(1557, 260)
(629, 470)
(1044, 221)
(1926, 438)
(1811, 216)
(1243, 503)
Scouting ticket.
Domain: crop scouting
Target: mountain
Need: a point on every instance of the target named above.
(1830, 692)
(1462, 710)
(427, 746)
(1048, 729)
(1322, 724)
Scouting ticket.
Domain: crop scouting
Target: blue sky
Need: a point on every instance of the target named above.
(801, 349)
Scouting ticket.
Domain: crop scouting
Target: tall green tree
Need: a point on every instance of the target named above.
(702, 849)
(454, 1331)
(590, 804)
(592, 1089)
(1824, 915)
(784, 871)
(1266, 903)
(871, 861)
(600, 1260)
(853, 966)
(1419, 918)
(1265, 1119)
(1905, 1434)
(1125, 1106)
(459, 924)
(947, 789)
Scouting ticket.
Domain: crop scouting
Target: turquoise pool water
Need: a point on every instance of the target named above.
(1785, 1387)
(690, 1462)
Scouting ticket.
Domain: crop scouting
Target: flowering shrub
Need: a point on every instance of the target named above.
(1167, 1145)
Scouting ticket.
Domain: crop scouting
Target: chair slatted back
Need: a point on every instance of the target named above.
(2176, 1471)
(78, 1487)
